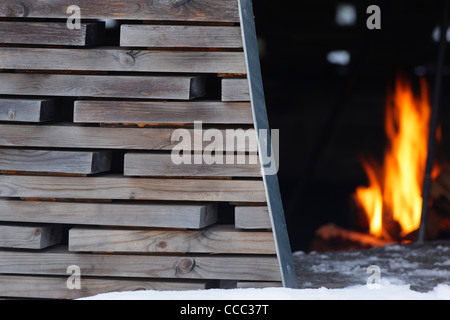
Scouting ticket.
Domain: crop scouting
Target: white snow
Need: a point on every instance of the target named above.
(388, 291)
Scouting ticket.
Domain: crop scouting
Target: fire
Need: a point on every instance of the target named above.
(394, 194)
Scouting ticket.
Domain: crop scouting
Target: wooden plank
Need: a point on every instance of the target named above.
(114, 138)
(154, 165)
(76, 162)
(162, 10)
(29, 110)
(144, 87)
(51, 33)
(252, 218)
(174, 215)
(180, 36)
(162, 112)
(29, 236)
(235, 90)
(221, 239)
(122, 60)
(122, 188)
(220, 267)
(45, 287)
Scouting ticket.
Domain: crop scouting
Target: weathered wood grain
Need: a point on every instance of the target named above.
(114, 138)
(122, 188)
(220, 267)
(45, 287)
(144, 164)
(180, 36)
(76, 162)
(29, 236)
(122, 60)
(143, 87)
(235, 90)
(162, 112)
(177, 10)
(252, 218)
(173, 215)
(51, 33)
(30, 110)
(222, 239)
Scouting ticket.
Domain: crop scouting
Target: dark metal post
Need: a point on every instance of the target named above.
(434, 123)
(273, 195)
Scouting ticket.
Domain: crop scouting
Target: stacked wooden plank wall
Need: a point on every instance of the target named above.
(86, 123)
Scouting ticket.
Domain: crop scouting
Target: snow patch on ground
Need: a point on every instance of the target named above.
(387, 291)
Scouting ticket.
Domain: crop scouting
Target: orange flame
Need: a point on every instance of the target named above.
(395, 190)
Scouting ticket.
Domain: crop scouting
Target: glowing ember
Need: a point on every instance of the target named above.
(394, 194)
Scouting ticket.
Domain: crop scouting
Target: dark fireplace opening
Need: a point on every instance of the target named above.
(326, 76)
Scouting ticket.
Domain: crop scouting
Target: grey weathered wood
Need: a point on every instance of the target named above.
(51, 33)
(162, 112)
(235, 90)
(29, 236)
(113, 138)
(144, 87)
(167, 266)
(45, 287)
(76, 162)
(29, 110)
(178, 10)
(180, 36)
(215, 240)
(173, 215)
(122, 60)
(252, 218)
(122, 188)
(142, 164)
(220, 267)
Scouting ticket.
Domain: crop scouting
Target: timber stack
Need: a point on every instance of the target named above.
(88, 183)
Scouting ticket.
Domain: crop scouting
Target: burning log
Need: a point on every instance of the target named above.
(389, 207)
(331, 237)
(438, 222)
(439, 219)
(440, 188)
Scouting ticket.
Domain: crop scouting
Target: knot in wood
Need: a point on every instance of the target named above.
(128, 59)
(11, 115)
(161, 245)
(178, 3)
(17, 10)
(185, 265)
